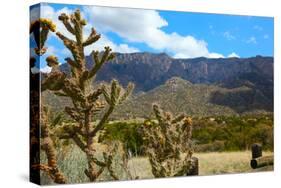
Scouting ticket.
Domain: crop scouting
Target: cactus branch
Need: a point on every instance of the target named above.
(65, 20)
(93, 37)
(49, 148)
(102, 121)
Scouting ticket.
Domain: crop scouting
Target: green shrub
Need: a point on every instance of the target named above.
(232, 133)
(126, 132)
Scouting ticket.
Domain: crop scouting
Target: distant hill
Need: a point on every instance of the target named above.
(198, 86)
(178, 95)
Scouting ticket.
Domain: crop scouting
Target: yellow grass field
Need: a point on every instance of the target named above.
(74, 162)
(226, 162)
(209, 163)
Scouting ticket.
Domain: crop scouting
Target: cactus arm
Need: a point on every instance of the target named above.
(65, 20)
(93, 37)
(127, 93)
(178, 118)
(79, 142)
(107, 56)
(49, 148)
(78, 23)
(100, 125)
(72, 63)
(158, 113)
(95, 95)
(67, 41)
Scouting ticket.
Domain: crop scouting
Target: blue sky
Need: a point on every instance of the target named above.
(179, 34)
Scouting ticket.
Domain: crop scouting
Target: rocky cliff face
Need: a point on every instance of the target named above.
(150, 70)
(203, 86)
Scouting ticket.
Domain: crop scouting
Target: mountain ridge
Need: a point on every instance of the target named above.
(150, 70)
(205, 86)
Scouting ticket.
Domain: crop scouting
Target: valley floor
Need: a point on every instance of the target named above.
(212, 163)
(73, 164)
(226, 162)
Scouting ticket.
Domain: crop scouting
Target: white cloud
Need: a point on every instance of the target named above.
(104, 41)
(45, 69)
(144, 26)
(49, 12)
(228, 36)
(233, 54)
(215, 55)
(265, 36)
(252, 40)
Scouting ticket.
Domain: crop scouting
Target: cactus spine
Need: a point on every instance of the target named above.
(86, 100)
(168, 143)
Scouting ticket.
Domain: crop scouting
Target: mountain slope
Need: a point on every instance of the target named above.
(198, 86)
(148, 70)
(178, 95)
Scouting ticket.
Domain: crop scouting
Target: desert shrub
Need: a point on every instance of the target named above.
(222, 134)
(210, 147)
(127, 132)
(235, 132)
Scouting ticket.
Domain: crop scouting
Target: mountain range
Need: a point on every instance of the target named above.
(198, 86)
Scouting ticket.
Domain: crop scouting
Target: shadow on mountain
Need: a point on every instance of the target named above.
(242, 99)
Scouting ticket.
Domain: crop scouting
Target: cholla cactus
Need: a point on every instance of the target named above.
(40, 29)
(47, 145)
(168, 143)
(86, 100)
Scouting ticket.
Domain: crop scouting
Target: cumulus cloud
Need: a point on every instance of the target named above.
(215, 55)
(49, 12)
(45, 69)
(228, 36)
(252, 40)
(233, 54)
(136, 26)
(145, 26)
(265, 36)
(104, 41)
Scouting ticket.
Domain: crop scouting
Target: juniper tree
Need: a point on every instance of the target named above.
(168, 143)
(86, 100)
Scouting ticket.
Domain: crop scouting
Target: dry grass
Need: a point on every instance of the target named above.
(225, 162)
(209, 163)
(74, 162)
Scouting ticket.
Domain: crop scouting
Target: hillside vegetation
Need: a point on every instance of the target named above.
(179, 95)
